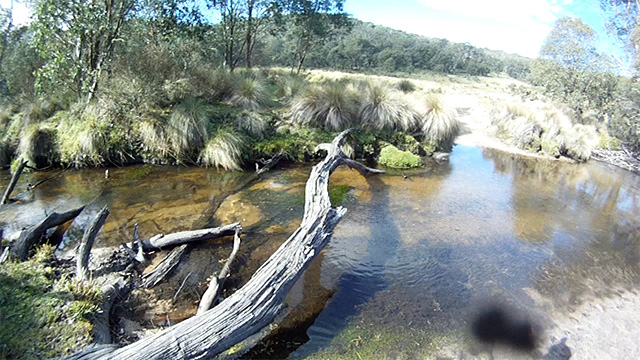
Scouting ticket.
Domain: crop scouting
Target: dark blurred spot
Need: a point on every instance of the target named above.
(498, 325)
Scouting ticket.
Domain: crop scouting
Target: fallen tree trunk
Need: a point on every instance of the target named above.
(84, 250)
(217, 282)
(163, 241)
(164, 268)
(31, 236)
(12, 183)
(257, 303)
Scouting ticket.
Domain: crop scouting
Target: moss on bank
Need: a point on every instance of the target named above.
(391, 156)
(43, 313)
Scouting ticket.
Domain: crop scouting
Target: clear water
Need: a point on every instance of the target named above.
(413, 256)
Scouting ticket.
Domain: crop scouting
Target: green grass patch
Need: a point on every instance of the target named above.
(43, 313)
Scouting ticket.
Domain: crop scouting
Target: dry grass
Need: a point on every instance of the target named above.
(224, 150)
(38, 145)
(440, 123)
(333, 106)
(187, 128)
(249, 93)
(385, 108)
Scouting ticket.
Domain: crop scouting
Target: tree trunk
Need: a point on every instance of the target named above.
(163, 241)
(82, 256)
(257, 303)
(12, 183)
(31, 236)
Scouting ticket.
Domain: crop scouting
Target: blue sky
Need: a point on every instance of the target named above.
(509, 25)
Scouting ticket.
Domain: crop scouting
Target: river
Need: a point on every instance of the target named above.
(408, 266)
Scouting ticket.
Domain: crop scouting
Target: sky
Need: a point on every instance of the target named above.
(510, 25)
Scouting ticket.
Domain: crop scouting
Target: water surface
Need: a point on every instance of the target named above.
(409, 263)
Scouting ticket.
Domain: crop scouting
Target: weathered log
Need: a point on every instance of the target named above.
(12, 183)
(164, 268)
(112, 287)
(214, 290)
(163, 241)
(82, 256)
(30, 236)
(256, 304)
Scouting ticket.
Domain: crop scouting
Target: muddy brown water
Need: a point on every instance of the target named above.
(414, 253)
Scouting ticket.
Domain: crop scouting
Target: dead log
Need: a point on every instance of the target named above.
(82, 256)
(112, 287)
(32, 235)
(217, 282)
(159, 242)
(257, 303)
(164, 268)
(12, 183)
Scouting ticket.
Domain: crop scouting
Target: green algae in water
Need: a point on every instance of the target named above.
(338, 193)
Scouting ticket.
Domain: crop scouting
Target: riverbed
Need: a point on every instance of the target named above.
(416, 256)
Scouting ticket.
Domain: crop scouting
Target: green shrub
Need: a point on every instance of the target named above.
(392, 157)
(224, 150)
(440, 123)
(384, 108)
(406, 86)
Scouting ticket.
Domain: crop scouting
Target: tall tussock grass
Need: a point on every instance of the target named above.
(384, 108)
(252, 123)
(406, 86)
(332, 106)
(224, 150)
(249, 93)
(440, 124)
(83, 136)
(547, 131)
(187, 128)
(38, 145)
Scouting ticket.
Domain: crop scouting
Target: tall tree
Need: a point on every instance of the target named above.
(258, 13)
(231, 34)
(622, 20)
(314, 21)
(572, 70)
(76, 40)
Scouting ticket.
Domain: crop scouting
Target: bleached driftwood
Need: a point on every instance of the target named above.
(256, 304)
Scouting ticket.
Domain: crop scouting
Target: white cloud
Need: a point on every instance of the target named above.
(21, 12)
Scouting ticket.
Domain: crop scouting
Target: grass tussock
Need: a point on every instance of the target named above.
(43, 313)
(252, 123)
(550, 132)
(249, 93)
(406, 86)
(333, 106)
(384, 108)
(440, 124)
(288, 86)
(83, 136)
(38, 145)
(153, 139)
(187, 128)
(223, 151)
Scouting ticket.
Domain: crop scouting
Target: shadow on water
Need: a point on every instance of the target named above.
(323, 313)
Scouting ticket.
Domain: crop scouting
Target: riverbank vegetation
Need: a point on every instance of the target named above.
(153, 88)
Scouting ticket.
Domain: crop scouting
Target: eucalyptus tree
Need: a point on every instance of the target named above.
(76, 41)
(622, 19)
